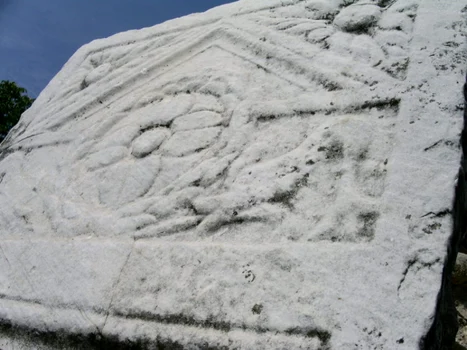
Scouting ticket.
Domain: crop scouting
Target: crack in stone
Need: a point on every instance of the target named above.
(438, 214)
(116, 285)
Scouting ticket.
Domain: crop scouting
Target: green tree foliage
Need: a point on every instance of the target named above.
(13, 102)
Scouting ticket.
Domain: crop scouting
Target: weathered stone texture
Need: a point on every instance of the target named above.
(266, 175)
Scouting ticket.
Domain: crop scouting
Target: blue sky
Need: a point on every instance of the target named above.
(38, 36)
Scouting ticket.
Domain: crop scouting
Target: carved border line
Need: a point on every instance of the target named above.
(96, 336)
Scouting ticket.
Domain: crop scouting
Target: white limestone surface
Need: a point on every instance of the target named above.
(266, 175)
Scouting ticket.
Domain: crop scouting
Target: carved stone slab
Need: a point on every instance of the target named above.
(266, 175)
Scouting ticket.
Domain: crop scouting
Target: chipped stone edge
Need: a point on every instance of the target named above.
(443, 330)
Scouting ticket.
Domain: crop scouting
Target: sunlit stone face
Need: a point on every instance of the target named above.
(196, 163)
(276, 174)
(232, 144)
